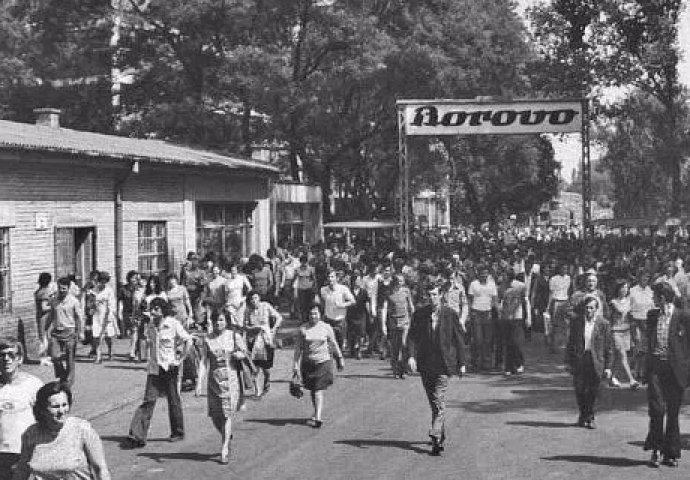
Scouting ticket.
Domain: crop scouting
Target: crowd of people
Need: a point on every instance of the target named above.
(612, 306)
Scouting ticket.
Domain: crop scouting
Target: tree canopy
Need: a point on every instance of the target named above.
(588, 46)
(319, 78)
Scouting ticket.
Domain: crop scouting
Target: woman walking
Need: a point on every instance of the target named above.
(314, 361)
(59, 446)
(178, 297)
(260, 321)
(223, 349)
(620, 325)
(104, 319)
(153, 290)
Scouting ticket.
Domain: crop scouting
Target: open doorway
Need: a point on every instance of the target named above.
(75, 252)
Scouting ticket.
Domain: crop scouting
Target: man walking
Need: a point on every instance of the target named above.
(66, 326)
(589, 356)
(668, 362)
(437, 351)
(165, 336)
(17, 396)
(336, 299)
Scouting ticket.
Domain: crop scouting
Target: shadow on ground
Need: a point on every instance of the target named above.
(193, 456)
(595, 460)
(399, 444)
(545, 386)
(543, 424)
(278, 422)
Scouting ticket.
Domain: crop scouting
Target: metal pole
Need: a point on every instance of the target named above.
(586, 173)
(406, 199)
(402, 161)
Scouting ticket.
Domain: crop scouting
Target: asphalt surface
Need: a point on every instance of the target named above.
(375, 427)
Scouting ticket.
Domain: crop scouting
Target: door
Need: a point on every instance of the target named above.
(75, 253)
(85, 258)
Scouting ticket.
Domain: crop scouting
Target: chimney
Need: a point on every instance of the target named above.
(48, 117)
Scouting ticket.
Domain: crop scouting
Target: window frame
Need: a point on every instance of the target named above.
(159, 255)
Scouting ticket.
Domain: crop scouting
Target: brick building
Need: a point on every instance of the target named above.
(73, 202)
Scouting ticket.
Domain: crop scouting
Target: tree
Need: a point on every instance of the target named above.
(56, 54)
(630, 44)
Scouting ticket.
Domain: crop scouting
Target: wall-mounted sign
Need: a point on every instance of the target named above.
(447, 117)
(42, 221)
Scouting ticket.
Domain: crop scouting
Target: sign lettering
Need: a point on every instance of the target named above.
(447, 118)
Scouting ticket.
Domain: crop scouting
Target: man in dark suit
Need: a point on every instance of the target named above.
(589, 356)
(668, 367)
(437, 351)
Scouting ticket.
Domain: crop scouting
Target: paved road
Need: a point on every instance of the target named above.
(375, 427)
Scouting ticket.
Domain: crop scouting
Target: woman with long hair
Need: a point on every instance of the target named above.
(153, 290)
(620, 325)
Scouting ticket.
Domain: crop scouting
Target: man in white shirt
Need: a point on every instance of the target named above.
(166, 337)
(66, 327)
(482, 298)
(370, 283)
(17, 397)
(559, 291)
(336, 298)
(641, 302)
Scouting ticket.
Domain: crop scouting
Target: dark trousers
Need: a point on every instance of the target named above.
(664, 396)
(7, 463)
(436, 386)
(163, 384)
(338, 329)
(482, 339)
(63, 348)
(513, 336)
(304, 298)
(586, 381)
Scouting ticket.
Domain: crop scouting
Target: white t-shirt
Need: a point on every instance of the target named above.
(558, 286)
(641, 301)
(16, 402)
(482, 295)
(235, 287)
(334, 299)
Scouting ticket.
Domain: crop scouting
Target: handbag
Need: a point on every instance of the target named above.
(296, 386)
(260, 349)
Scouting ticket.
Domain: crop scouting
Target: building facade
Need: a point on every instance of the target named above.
(73, 202)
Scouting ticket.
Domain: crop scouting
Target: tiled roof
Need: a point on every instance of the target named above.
(28, 137)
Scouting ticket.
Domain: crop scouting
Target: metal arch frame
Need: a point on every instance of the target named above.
(404, 167)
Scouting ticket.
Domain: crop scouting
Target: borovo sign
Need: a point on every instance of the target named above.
(467, 118)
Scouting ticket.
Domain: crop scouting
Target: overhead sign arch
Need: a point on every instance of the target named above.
(488, 117)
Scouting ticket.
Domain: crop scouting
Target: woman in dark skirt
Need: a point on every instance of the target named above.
(314, 361)
(260, 321)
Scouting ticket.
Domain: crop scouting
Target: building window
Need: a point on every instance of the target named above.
(224, 229)
(5, 288)
(290, 224)
(153, 248)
